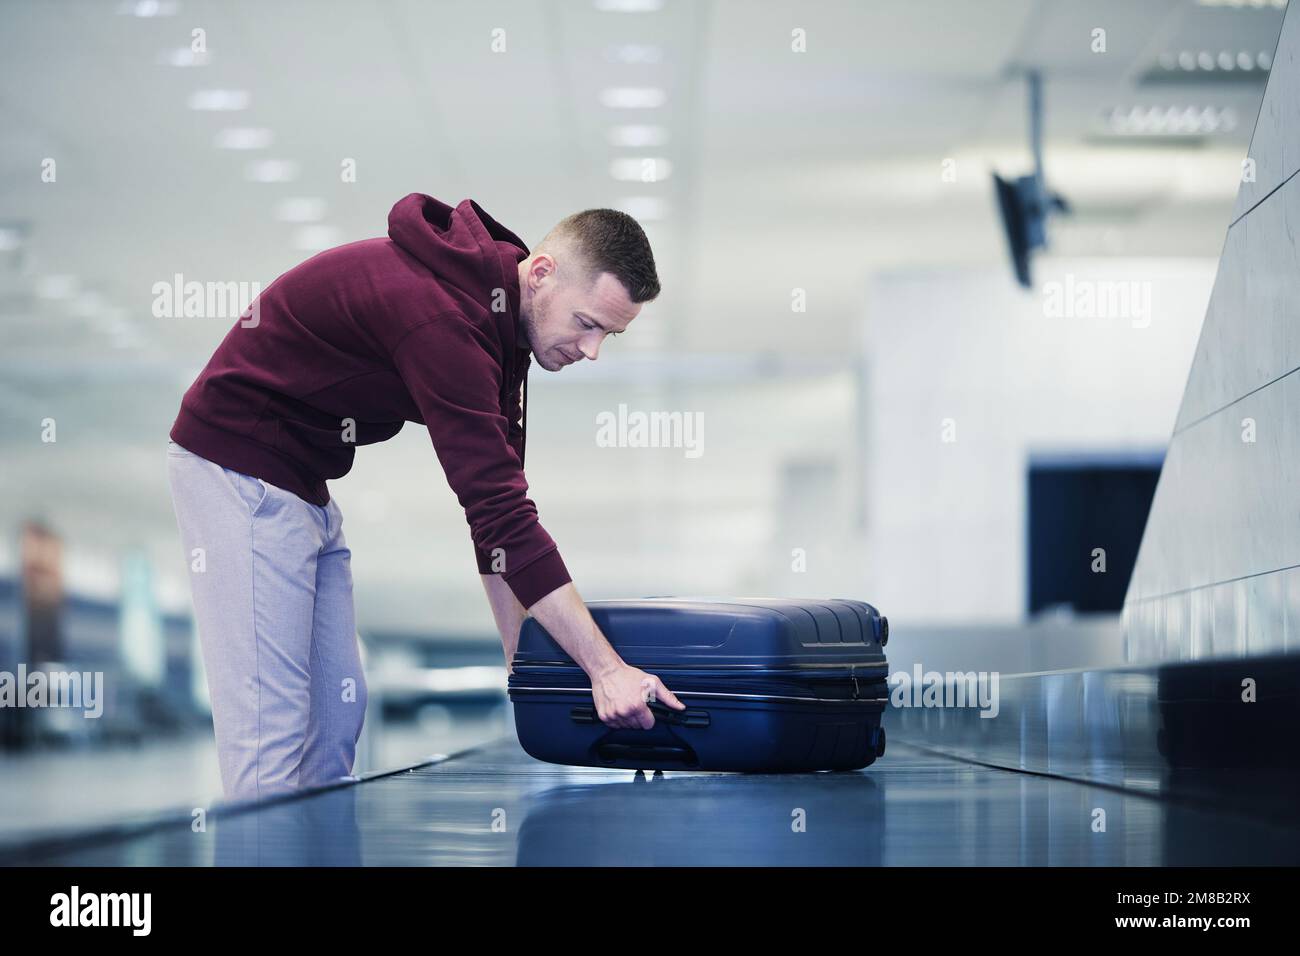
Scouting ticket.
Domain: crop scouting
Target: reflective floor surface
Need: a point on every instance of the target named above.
(496, 806)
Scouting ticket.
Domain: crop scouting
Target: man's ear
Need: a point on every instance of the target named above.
(541, 266)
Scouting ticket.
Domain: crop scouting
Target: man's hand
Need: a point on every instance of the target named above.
(622, 696)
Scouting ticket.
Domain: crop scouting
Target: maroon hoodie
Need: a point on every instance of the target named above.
(347, 347)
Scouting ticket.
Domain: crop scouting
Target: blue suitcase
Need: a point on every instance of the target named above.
(770, 686)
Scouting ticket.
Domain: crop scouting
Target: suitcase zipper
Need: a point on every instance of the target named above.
(760, 670)
(791, 684)
(713, 694)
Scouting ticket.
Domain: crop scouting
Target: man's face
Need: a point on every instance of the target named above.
(566, 318)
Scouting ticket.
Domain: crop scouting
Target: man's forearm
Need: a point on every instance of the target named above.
(566, 618)
(508, 613)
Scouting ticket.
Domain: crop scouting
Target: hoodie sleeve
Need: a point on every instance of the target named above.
(516, 440)
(450, 368)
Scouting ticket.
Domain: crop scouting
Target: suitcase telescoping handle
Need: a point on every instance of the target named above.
(586, 714)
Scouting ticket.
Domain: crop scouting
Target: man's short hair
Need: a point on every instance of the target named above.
(608, 240)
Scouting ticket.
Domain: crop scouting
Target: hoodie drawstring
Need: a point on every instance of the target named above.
(523, 429)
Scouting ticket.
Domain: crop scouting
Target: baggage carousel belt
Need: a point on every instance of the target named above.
(496, 806)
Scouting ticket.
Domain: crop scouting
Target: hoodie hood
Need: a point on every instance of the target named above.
(466, 248)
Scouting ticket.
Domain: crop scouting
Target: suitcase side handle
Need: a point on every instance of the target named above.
(650, 753)
(586, 714)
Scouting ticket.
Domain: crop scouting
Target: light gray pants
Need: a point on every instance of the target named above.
(272, 584)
